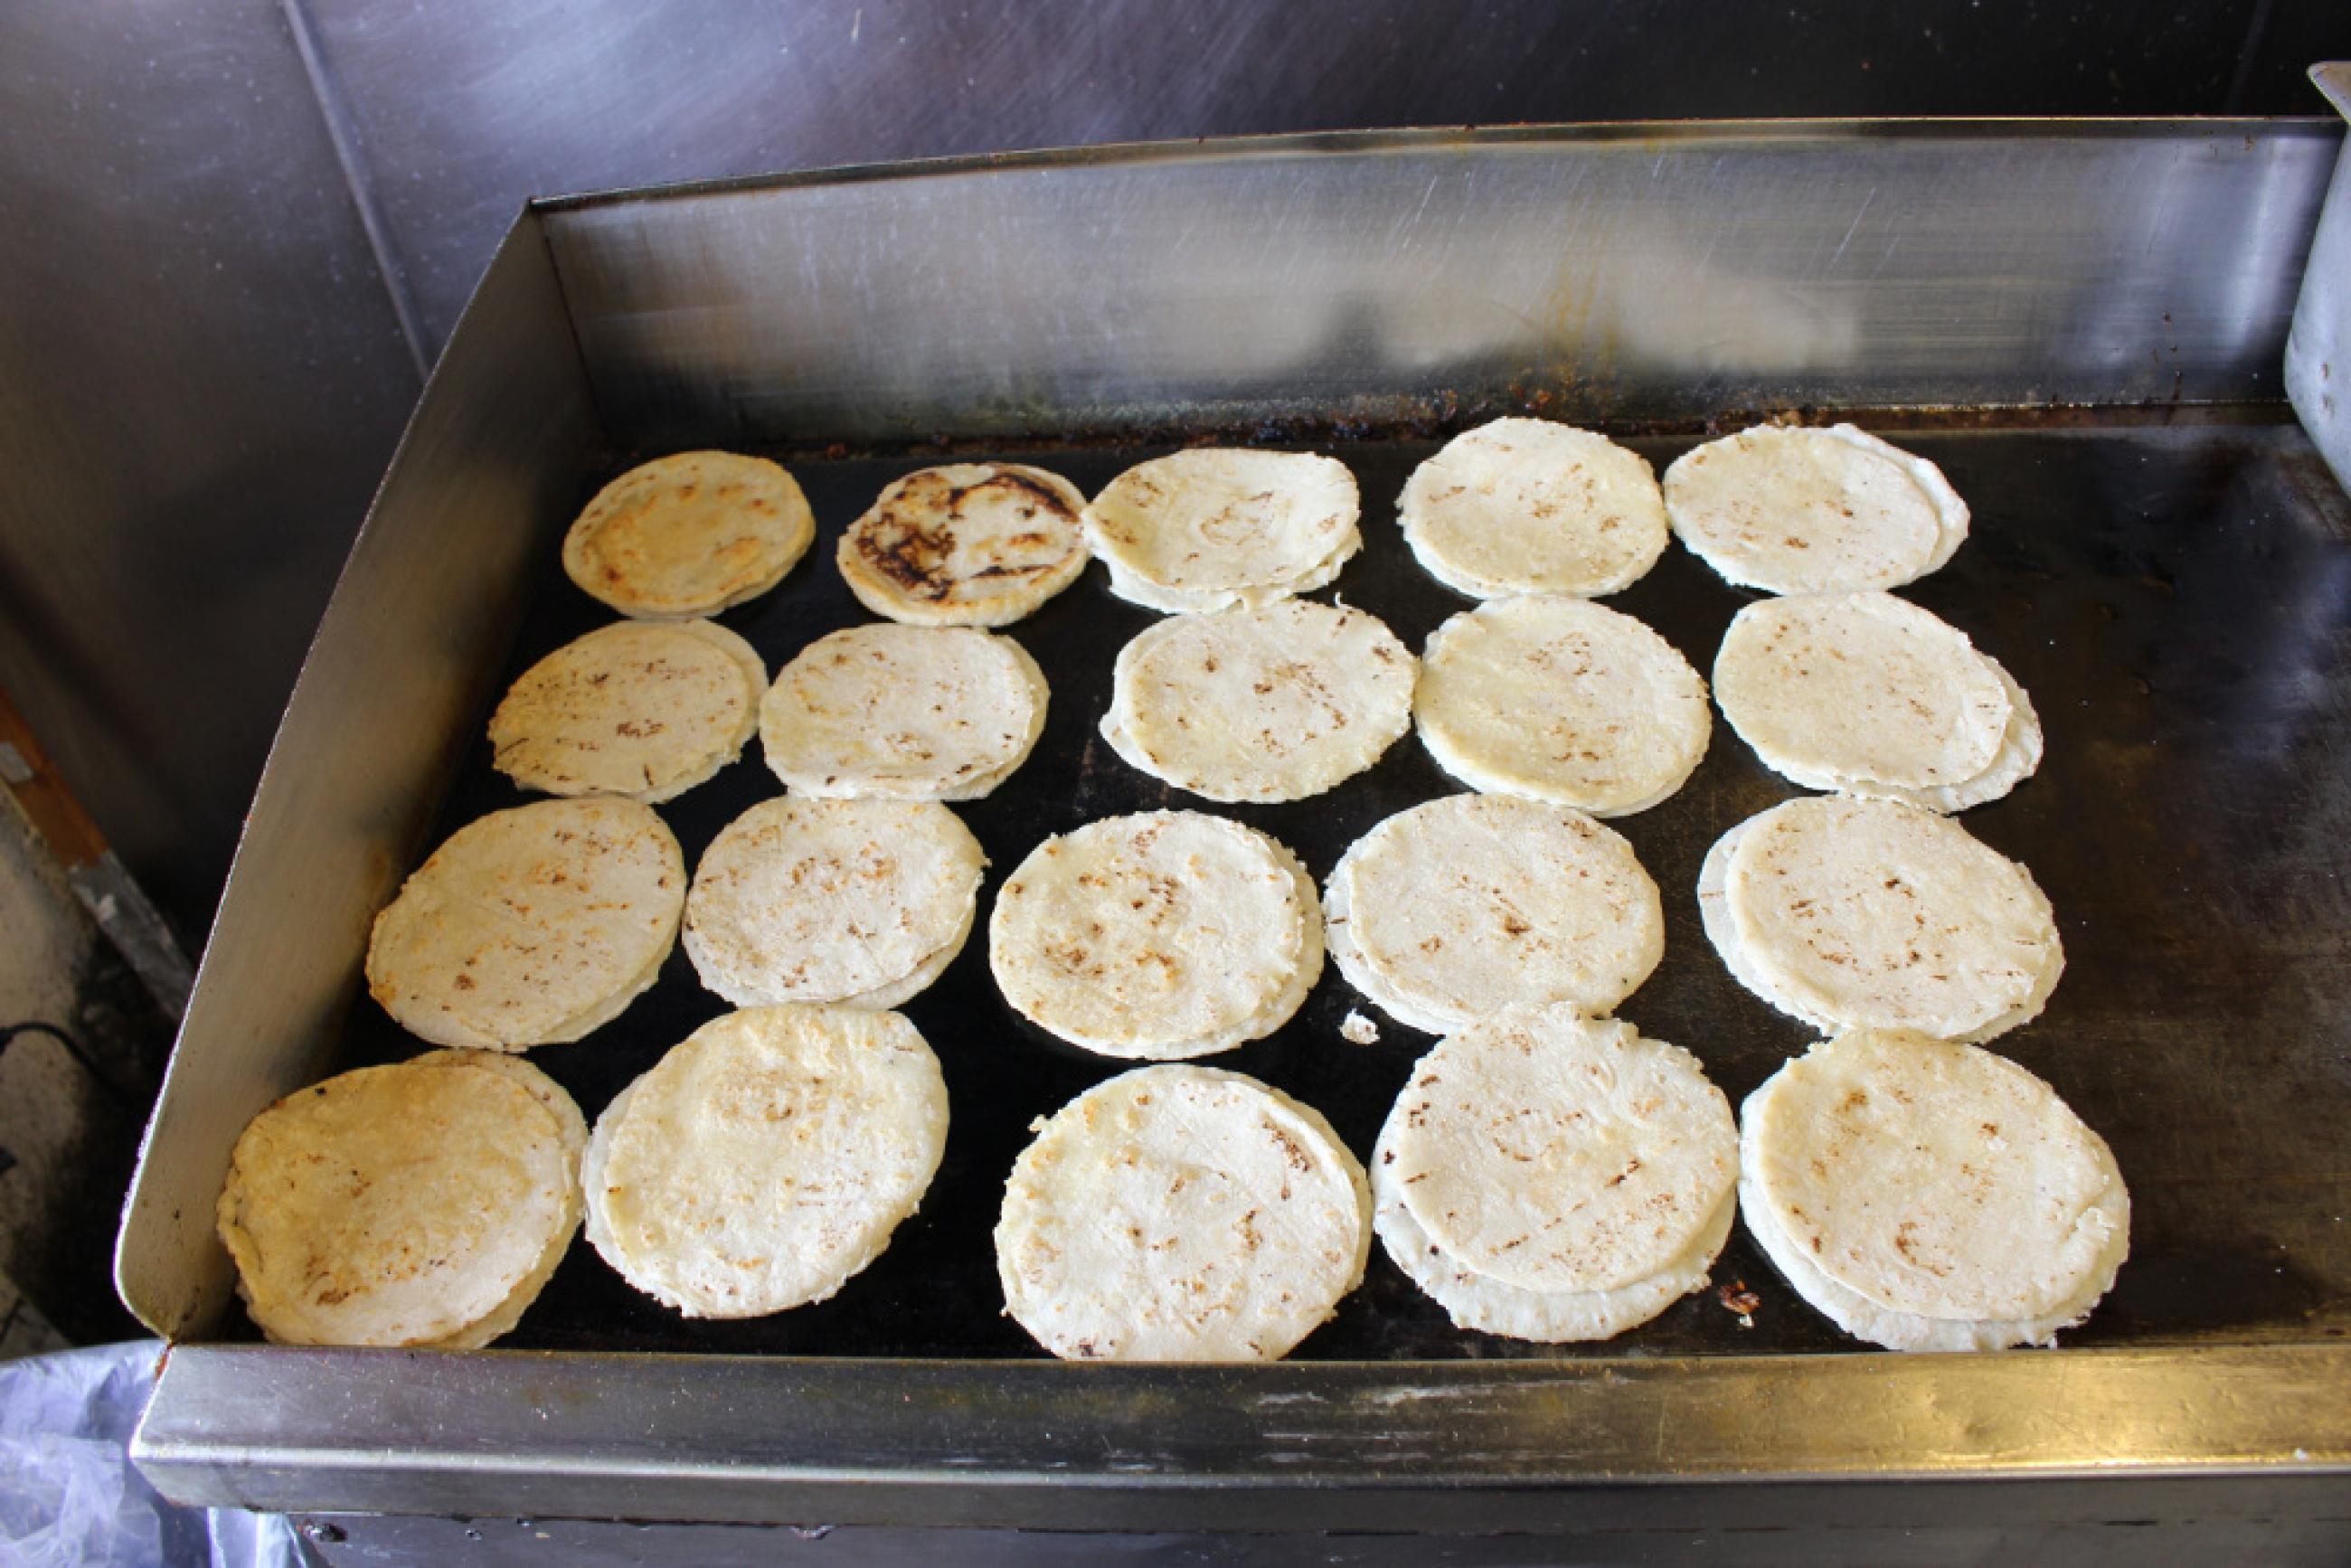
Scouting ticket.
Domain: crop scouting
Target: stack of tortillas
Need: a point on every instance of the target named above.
(1813, 511)
(1215, 526)
(1181, 1214)
(1275, 702)
(1550, 1177)
(1870, 694)
(689, 535)
(643, 709)
(423, 1204)
(531, 927)
(1457, 908)
(765, 1159)
(862, 902)
(903, 713)
(1561, 700)
(1930, 1196)
(1164, 935)
(1525, 505)
(1874, 915)
(973, 544)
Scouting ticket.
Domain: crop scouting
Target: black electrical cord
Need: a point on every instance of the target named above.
(8, 1033)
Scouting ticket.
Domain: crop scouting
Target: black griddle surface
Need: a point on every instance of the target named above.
(2177, 601)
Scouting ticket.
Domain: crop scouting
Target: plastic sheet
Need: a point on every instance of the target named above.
(69, 1495)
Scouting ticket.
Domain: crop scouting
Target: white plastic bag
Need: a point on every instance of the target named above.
(69, 1495)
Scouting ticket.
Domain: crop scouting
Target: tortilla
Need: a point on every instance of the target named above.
(644, 709)
(971, 544)
(1813, 511)
(688, 535)
(766, 1159)
(1163, 936)
(1278, 703)
(1181, 1214)
(531, 927)
(902, 713)
(1930, 1195)
(1526, 506)
(1210, 527)
(1457, 908)
(862, 902)
(1561, 700)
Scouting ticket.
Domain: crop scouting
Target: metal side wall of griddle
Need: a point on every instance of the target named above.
(1657, 277)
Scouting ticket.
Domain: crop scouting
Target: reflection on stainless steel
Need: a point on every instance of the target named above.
(200, 382)
(464, 113)
(484, 481)
(2318, 349)
(1461, 1448)
(1620, 273)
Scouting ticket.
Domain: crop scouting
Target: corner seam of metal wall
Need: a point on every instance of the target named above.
(342, 133)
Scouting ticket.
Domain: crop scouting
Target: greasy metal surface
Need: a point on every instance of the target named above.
(2318, 347)
(1616, 273)
(459, 114)
(2177, 601)
(1455, 1449)
(1987, 1534)
(199, 385)
(403, 664)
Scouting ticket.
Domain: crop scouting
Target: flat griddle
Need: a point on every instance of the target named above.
(2175, 596)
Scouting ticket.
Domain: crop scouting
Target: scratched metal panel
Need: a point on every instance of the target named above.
(2154, 1435)
(1631, 273)
(465, 111)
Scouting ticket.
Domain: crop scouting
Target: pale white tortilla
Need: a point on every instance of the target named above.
(1275, 702)
(766, 1159)
(1559, 1152)
(2019, 755)
(856, 902)
(531, 927)
(398, 1205)
(1561, 700)
(1466, 905)
(1526, 506)
(971, 544)
(566, 1111)
(1876, 914)
(1931, 1184)
(1813, 511)
(1475, 1301)
(1863, 689)
(1210, 527)
(688, 535)
(902, 713)
(1181, 1214)
(641, 708)
(1166, 935)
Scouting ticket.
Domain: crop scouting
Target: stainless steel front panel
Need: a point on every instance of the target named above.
(1671, 273)
(1462, 1448)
